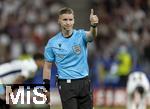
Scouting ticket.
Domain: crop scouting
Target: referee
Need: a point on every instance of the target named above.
(68, 50)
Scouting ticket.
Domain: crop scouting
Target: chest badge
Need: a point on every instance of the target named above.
(77, 49)
(59, 45)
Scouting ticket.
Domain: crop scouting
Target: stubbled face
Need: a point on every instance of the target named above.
(66, 21)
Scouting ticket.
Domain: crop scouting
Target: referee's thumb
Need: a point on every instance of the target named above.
(92, 13)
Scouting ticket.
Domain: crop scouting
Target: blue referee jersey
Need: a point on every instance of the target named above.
(69, 54)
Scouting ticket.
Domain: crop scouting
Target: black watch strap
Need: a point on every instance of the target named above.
(94, 25)
(47, 84)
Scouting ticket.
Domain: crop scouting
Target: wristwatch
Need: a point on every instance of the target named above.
(94, 25)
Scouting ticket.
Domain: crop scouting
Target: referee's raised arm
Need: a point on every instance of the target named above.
(92, 33)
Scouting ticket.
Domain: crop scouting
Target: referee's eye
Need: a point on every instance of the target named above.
(70, 19)
(64, 19)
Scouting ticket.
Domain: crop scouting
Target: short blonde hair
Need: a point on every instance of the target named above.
(65, 10)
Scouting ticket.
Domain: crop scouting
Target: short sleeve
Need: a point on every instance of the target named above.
(83, 35)
(48, 53)
(85, 39)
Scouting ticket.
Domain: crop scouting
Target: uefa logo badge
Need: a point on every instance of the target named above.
(77, 49)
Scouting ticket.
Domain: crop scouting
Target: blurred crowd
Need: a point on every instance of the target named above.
(26, 25)
(122, 44)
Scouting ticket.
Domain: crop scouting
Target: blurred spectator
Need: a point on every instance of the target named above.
(120, 68)
(124, 60)
(17, 71)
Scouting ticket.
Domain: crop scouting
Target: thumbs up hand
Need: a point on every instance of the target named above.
(93, 18)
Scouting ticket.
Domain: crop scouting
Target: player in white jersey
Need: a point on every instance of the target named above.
(16, 71)
(137, 89)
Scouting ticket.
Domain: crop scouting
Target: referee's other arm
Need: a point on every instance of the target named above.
(46, 77)
(47, 70)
